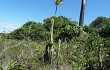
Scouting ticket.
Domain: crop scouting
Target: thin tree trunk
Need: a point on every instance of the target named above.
(81, 20)
(56, 9)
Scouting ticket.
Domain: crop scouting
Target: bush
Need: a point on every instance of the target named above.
(1, 68)
(14, 66)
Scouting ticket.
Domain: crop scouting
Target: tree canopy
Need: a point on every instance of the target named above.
(64, 29)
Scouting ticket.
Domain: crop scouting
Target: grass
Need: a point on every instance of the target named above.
(29, 54)
(21, 51)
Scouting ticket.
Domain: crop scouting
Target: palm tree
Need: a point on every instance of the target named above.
(81, 20)
(58, 2)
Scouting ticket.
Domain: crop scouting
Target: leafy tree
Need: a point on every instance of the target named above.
(89, 29)
(99, 22)
(30, 30)
(105, 31)
(101, 25)
(63, 27)
(106, 60)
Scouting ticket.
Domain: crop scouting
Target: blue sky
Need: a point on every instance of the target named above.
(14, 13)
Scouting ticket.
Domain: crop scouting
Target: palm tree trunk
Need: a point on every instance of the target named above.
(81, 20)
(56, 9)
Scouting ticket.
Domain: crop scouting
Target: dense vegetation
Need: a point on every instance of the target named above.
(64, 28)
(24, 48)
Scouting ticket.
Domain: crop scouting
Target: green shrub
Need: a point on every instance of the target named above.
(1, 68)
(14, 66)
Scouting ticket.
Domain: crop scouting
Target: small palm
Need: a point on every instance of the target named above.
(58, 2)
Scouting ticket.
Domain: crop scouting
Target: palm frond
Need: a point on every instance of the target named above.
(58, 2)
(61, 4)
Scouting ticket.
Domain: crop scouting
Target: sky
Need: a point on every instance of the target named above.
(15, 13)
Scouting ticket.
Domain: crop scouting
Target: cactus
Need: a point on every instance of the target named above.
(51, 32)
(57, 2)
(59, 46)
(49, 47)
(47, 55)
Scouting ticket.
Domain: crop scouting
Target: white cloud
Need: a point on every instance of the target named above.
(7, 26)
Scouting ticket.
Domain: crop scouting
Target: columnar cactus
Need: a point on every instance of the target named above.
(57, 2)
(51, 32)
(59, 46)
